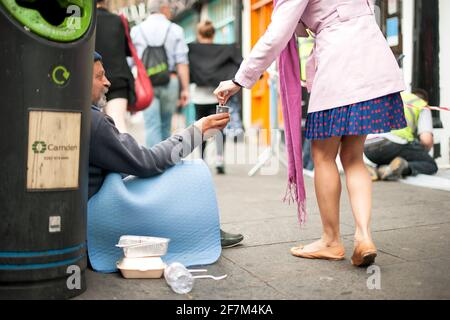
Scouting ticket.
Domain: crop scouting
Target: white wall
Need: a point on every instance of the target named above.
(444, 60)
(408, 45)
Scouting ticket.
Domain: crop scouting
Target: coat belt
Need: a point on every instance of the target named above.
(343, 13)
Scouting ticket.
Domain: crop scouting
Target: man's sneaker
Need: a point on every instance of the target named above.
(220, 169)
(220, 165)
(228, 240)
(393, 171)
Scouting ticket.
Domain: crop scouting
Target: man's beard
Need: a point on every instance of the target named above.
(101, 103)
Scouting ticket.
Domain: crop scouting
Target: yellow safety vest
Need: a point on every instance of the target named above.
(413, 106)
(305, 47)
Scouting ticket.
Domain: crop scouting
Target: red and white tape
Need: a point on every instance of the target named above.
(430, 107)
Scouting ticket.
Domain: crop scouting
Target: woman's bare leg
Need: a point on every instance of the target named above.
(359, 184)
(117, 109)
(328, 191)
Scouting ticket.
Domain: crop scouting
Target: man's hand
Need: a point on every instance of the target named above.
(225, 90)
(211, 125)
(426, 140)
(184, 98)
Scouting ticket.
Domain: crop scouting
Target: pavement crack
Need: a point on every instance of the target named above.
(393, 255)
(256, 276)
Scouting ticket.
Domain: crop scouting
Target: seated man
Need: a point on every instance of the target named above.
(112, 151)
(404, 152)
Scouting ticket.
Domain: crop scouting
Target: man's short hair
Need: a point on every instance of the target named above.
(421, 93)
(154, 6)
(97, 56)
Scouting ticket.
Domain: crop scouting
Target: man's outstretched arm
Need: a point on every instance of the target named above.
(120, 152)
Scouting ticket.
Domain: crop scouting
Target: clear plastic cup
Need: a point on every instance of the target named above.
(179, 278)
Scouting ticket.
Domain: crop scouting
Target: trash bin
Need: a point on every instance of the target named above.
(46, 58)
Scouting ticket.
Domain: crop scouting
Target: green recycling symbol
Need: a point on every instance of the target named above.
(60, 75)
(39, 147)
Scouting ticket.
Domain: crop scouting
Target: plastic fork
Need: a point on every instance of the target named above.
(210, 277)
(205, 276)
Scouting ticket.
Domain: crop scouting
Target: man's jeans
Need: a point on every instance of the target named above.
(158, 117)
(419, 161)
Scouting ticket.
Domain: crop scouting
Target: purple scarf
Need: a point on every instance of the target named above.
(291, 98)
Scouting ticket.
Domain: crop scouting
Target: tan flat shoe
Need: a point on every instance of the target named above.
(330, 253)
(364, 254)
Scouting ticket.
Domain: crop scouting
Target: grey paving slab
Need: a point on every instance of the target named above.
(279, 230)
(303, 278)
(396, 205)
(407, 215)
(415, 280)
(239, 284)
(411, 228)
(112, 286)
(244, 198)
(415, 243)
(235, 286)
(387, 194)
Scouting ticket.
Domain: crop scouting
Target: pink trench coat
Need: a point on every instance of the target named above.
(351, 61)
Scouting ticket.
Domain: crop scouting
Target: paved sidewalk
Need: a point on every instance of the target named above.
(411, 228)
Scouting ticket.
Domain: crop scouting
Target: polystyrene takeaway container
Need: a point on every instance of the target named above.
(139, 246)
(141, 268)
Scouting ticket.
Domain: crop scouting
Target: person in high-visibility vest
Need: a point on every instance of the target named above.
(305, 47)
(404, 152)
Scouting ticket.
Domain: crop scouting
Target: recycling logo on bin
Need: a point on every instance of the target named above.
(39, 147)
(60, 75)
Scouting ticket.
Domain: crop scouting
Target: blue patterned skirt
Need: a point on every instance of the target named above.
(374, 116)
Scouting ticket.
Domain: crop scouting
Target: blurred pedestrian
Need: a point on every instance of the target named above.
(208, 64)
(355, 86)
(159, 38)
(112, 44)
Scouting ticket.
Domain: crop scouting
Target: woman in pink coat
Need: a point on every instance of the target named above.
(355, 86)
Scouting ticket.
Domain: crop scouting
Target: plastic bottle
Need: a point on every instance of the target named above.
(179, 278)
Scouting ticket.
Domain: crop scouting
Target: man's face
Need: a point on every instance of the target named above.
(100, 85)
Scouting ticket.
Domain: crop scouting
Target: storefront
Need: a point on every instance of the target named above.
(224, 14)
(257, 104)
(225, 17)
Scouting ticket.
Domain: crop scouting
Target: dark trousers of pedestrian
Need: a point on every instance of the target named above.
(204, 110)
(308, 163)
(419, 161)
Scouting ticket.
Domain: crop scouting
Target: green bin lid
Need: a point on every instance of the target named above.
(72, 28)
